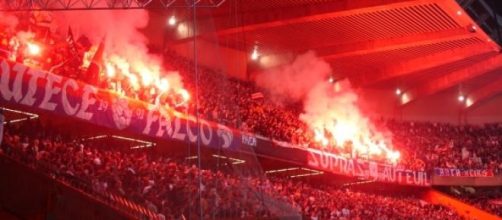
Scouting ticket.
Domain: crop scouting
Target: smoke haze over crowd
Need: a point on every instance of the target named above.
(330, 109)
(125, 45)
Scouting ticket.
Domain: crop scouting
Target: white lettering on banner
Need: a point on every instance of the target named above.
(174, 129)
(248, 140)
(360, 169)
(177, 128)
(460, 172)
(87, 100)
(373, 169)
(226, 135)
(16, 91)
(18, 84)
(417, 178)
(325, 161)
(150, 119)
(408, 178)
(116, 108)
(206, 140)
(67, 107)
(341, 165)
(191, 137)
(164, 126)
(390, 173)
(399, 178)
(67, 96)
(350, 167)
(50, 90)
(29, 98)
(312, 159)
(4, 81)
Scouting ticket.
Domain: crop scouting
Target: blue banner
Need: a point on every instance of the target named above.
(368, 169)
(44, 91)
(463, 172)
(39, 90)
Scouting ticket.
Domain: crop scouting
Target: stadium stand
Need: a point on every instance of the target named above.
(164, 187)
(113, 181)
(232, 105)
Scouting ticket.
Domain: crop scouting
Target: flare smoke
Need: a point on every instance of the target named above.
(121, 31)
(330, 110)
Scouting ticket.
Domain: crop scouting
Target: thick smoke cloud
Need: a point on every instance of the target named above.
(331, 110)
(296, 80)
(8, 20)
(121, 30)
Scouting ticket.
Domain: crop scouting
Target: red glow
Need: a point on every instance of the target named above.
(185, 95)
(163, 85)
(110, 70)
(342, 124)
(33, 49)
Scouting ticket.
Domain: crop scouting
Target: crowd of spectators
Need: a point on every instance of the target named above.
(485, 198)
(423, 145)
(242, 105)
(448, 146)
(230, 101)
(171, 188)
(492, 204)
(39, 46)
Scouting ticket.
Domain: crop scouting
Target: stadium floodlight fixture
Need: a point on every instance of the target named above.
(461, 98)
(473, 28)
(171, 21)
(398, 92)
(468, 102)
(255, 54)
(405, 98)
(331, 79)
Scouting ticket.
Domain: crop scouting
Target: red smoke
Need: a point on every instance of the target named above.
(294, 81)
(126, 48)
(7, 20)
(331, 109)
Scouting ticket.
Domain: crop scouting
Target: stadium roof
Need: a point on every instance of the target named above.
(420, 46)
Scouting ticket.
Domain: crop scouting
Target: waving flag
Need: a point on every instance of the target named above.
(96, 65)
(71, 43)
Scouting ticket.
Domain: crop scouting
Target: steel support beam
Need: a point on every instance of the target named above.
(368, 47)
(453, 78)
(479, 95)
(276, 17)
(422, 64)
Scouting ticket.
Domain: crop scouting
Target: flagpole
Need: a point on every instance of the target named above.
(199, 163)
